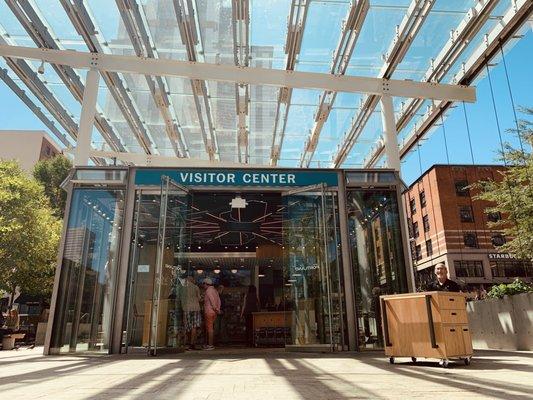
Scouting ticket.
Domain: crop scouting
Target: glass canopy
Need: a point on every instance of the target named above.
(205, 115)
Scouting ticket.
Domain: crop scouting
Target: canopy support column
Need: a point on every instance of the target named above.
(88, 110)
(389, 133)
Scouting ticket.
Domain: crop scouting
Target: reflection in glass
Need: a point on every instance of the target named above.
(85, 298)
(312, 270)
(377, 257)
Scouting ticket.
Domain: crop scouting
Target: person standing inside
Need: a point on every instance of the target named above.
(192, 317)
(220, 323)
(250, 305)
(211, 310)
(443, 284)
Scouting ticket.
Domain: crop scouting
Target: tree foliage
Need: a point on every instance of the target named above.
(29, 233)
(513, 196)
(50, 174)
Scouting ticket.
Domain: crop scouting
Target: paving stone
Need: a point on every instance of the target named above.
(269, 375)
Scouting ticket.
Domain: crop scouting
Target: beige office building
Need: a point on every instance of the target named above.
(27, 147)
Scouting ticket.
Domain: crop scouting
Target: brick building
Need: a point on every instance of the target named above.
(447, 225)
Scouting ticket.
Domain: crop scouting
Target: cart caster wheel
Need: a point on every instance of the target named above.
(391, 360)
(444, 363)
(413, 359)
(467, 360)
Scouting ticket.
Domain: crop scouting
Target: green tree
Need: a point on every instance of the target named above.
(29, 233)
(50, 174)
(512, 197)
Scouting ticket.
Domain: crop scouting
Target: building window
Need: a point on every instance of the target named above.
(425, 222)
(416, 232)
(470, 239)
(466, 214)
(418, 252)
(412, 206)
(422, 198)
(511, 268)
(410, 227)
(497, 239)
(429, 248)
(494, 216)
(469, 268)
(461, 188)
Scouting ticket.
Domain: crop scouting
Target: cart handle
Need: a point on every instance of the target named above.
(385, 323)
(434, 344)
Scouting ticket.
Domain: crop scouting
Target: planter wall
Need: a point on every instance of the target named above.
(505, 324)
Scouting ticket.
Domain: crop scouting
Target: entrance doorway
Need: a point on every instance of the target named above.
(285, 244)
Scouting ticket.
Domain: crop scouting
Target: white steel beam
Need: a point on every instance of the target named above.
(243, 75)
(405, 34)
(166, 161)
(241, 53)
(189, 27)
(351, 27)
(293, 44)
(134, 20)
(88, 109)
(86, 26)
(515, 17)
(460, 37)
(33, 81)
(42, 34)
(390, 137)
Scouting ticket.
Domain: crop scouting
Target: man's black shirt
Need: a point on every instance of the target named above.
(448, 286)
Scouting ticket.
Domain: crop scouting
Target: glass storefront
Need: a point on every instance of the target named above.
(284, 240)
(377, 257)
(84, 308)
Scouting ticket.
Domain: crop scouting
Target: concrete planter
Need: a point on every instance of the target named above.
(504, 324)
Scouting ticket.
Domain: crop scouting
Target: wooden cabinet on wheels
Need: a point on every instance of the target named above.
(427, 324)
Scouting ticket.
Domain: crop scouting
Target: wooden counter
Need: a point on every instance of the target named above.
(427, 324)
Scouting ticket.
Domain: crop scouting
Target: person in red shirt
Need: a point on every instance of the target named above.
(211, 310)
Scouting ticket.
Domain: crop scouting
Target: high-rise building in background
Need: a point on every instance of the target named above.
(446, 224)
(216, 38)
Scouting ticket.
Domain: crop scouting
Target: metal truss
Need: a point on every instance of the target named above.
(244, 75)
(138, 30)
(405, 34)
(351, 28)
(293, 45)
(518, 14)
(85, 25)
(460, 37)
(33, 107)
(26, 73)
(187, 17)
(241, 52)
(42, 35)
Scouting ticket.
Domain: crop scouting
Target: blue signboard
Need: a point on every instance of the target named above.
(228, 177)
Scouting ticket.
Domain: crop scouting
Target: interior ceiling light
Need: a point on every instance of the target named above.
(261, 275)
(40, 70)
(238, 202)
(233, 271)
(216, 271)
(199, 271)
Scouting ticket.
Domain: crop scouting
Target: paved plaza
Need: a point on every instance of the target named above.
(271, 374)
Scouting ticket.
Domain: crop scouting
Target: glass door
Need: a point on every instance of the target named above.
(166, 321)
(306, 265)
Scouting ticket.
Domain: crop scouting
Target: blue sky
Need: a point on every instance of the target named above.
(481, 116)
(269, 28)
